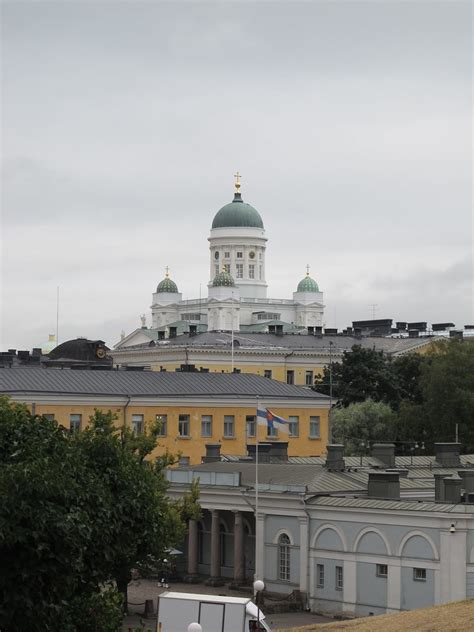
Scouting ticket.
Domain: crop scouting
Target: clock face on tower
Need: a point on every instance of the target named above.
(252, 255)
(216, 255)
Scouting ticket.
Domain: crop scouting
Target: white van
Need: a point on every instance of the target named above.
(215, 613)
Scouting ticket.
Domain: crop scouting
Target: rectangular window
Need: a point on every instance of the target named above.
(290, 377)
(49, 416)
(183, 425)
(226, 255)
(227, 267)
(293, 426)
(239, 267)
(137, 425)
(419, 574)
(272, 431)
(240, 255)
(314, 427)
(206, 425)
(75, 422)
(252, 271)
(309, 378)
(320, 575)
(260, 272)
(382, 570)
(183, 461)
(267, 373)
(339, 578)
(162, 421)
(228, 425)
(250, 421)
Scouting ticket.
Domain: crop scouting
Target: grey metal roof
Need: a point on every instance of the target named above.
(398, 505)
(300, 341)
(147, 383)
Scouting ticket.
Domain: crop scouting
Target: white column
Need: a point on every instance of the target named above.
(452, 566)
(260, 546)
(304, 553)
(350, 585)
(394, 584)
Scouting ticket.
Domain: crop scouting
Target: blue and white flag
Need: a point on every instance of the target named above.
(272, 421)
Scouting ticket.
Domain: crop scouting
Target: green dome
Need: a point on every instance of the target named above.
(223, 279)
(307, 285)
(237, 213)
(167, 285)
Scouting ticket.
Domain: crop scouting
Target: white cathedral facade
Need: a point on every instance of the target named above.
(237, 289)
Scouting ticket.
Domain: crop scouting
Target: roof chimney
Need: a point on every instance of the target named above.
(452, 489)
(384, 452)
(213, 453)
(447, 454)
(439, 487)
(384, 485)
(467, 477)
(263, 451)
(335, 456)
(279, 450)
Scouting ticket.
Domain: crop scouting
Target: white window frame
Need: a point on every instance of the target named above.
(229, 422)
(239, 270)
(309, 378)
(312, 422)
(163, 421)
(339, 576)
(138, 424)
(226, 255)
(251, 425)
(381, 570)
(284, 566)
(251, 271)
(419, 574)
(75, 422)
(184, 422)
(294, 426)
(240, 255)
(206, 426)
(320, 575)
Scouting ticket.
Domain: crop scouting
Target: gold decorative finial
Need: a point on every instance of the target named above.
(167, 270)
(307, 269)
(237, 177)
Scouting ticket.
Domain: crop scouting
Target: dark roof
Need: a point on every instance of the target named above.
(78, 349)
(148, 383)
(297, 342)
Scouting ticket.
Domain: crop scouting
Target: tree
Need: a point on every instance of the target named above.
(78, 512)
(359, 424)
(362, 374)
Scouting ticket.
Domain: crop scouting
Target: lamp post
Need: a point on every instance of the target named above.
(258, 586)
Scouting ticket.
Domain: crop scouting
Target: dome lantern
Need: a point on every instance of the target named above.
(167, 285)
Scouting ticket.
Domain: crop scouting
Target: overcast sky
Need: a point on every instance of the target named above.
(123, 123)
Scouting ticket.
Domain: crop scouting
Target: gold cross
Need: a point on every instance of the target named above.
(307, 269)
(167, 271)
(237, 177)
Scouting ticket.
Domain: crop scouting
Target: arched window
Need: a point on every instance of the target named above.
(284, 557)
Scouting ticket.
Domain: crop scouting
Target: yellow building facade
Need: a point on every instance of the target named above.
(188, 421)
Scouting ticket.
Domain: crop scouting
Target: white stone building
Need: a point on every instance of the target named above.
(237, 288)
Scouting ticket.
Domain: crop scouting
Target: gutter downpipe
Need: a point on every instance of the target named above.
(129, 397)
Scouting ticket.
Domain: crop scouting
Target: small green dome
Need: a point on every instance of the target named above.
(237, 214)
(307, 285)
(167, 285)
(223, 279)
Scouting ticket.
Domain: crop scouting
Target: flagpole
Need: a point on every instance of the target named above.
(256, 490)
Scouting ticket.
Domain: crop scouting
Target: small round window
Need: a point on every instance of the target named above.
(252, 255)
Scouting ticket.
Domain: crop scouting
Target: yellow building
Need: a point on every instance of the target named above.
(194, 409)
(294, 358)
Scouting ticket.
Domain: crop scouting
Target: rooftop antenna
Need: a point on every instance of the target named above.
(57, 315)
(374, 307)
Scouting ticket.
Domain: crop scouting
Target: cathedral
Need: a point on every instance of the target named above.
(237, 289)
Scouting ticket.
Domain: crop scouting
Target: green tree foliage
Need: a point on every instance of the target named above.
(78, 512)
(362, 374)
(360, 424)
